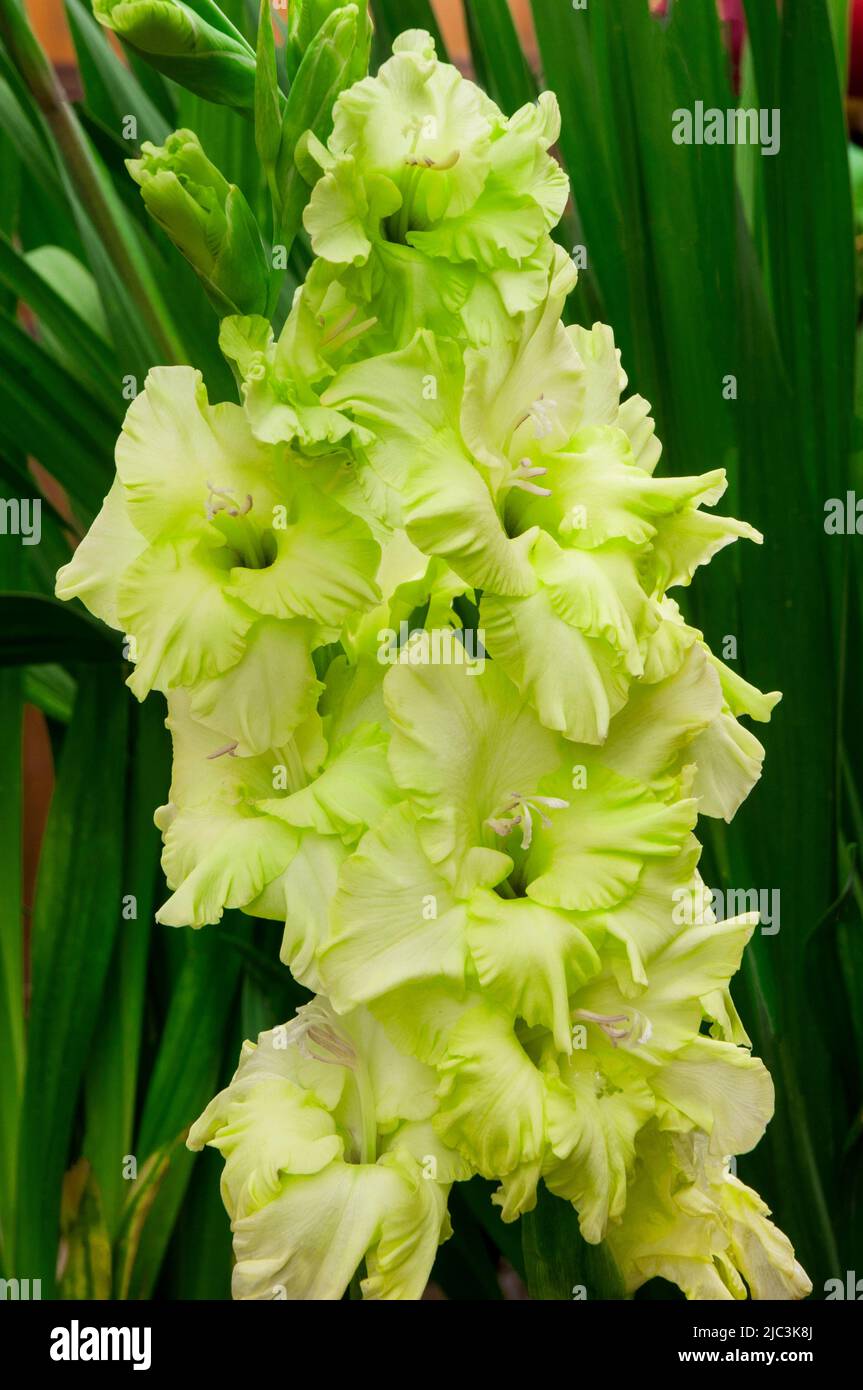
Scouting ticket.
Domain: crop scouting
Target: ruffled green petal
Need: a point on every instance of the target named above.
(668, 892)
(420, 1018)
(688, 1220)
(743, 698)
(402, 1086)
(654, 732)
(504, 382)
(689, 539)
(308, 1242)
(728, 758)
(594, 850)
(351, 793)
(270, 692)
(599, 494)
(529, 959)
(174, 444)
(174, 601)
(419, 109)
(762, 1253)
(399, 1265)
(344, 208)
(395, 920)
(592, 1135)
(443, 502)
(302, 900)
(577, 693)
(323, 568)
(217, 859)
(93, 574)
(719, 1089)
(491, 1095)
(265, 1127)
(494, 746)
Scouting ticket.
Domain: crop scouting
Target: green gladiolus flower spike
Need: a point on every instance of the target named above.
(435, 707)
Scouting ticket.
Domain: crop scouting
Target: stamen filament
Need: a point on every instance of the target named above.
(348, 337)
(338, 327)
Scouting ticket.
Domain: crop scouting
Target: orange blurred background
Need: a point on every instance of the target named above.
(49, 21)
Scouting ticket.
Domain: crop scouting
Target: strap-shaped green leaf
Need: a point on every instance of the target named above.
(11, 922)
(185, 1074)
(500, 62)
(558, 1260)
(34, 629)
(111, 1083)
(76, 918)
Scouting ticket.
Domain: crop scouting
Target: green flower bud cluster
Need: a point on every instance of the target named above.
(487, 871)
(190, 41)
(208, 220)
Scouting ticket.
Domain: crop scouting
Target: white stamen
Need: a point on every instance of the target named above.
(638, 1029)
(532, 488)
(221, 500)
(542, 421)
(606, 1022)
(504, 822)
(522, 475)
(314, 1034)
(230, 749)
(425, 162)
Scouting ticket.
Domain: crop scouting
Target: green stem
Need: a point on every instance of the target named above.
(369, 1137)
(368, 1147)
(408, 198)
(39, 75)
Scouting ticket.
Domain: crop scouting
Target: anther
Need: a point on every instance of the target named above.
(505, 821)
(635, 1023)
(539, 413)
(439, 165)
(314, 1034)
(230, 749)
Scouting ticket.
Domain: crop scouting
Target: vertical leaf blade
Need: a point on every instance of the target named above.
(75, 921)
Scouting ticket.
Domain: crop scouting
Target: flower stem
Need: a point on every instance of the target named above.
(559, 1262)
